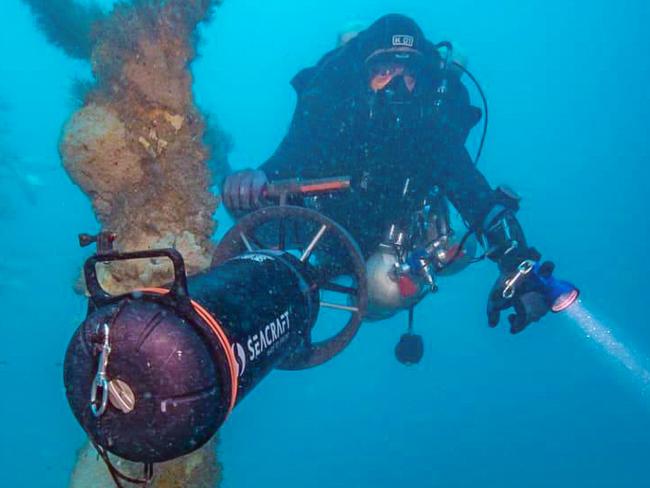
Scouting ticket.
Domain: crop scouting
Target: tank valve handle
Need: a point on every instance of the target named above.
(104, 241)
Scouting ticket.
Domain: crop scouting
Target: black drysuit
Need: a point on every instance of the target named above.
(333, 134)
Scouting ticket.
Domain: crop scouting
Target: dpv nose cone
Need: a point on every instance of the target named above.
(166, 398)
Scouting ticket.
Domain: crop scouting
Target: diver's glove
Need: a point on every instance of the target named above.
(522, 291)
(243, 190)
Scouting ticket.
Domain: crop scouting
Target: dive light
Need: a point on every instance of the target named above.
(559, 294)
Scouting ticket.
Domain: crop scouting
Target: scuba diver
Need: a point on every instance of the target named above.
(151, 375)
(389, 109)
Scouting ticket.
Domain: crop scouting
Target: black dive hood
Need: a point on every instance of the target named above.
(392, 33)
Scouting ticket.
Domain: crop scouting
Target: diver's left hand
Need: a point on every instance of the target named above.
(529, 303)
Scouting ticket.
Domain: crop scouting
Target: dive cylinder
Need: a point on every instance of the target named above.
(388, 291)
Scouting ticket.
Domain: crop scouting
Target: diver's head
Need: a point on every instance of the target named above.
(395, 68)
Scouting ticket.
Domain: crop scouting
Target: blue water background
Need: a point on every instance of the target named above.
(568, 85)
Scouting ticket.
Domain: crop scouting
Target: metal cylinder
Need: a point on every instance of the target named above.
(173, 375)
(384, 296)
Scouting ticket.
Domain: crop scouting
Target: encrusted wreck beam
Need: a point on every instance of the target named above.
(137, 147)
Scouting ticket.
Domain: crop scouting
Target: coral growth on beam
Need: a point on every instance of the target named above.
(137, 145)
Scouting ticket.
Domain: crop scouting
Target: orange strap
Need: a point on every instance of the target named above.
(323, 186)
(223, 340)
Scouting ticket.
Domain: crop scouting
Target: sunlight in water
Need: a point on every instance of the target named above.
(602, 335)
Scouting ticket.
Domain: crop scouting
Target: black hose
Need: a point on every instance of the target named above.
(485, 108)
(459, 249)
(450, 48)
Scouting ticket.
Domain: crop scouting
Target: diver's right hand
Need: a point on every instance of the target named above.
(243, 190)
(528, 301)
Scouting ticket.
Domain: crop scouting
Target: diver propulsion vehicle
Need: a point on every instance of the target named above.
(151, 375)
